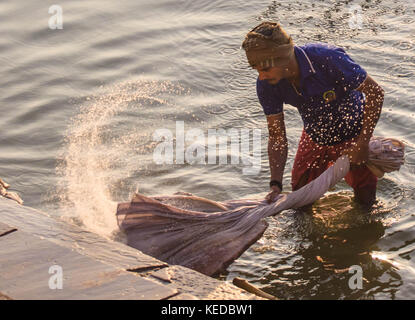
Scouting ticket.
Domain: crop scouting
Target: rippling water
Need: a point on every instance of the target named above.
(80, 106)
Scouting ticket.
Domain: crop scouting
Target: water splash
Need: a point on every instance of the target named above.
(104, 146)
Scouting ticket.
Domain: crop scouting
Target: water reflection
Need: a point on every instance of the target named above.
(334, 235)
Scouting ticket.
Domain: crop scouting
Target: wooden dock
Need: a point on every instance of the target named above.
(36, 248)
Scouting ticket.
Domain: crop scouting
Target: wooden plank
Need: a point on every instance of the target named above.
(24, 273)
(162, 275)
(4, 297)
(190, 282)
(5, 229)
(39, 224)
(183, 296)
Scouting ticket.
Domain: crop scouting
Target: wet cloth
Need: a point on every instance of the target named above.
(206, 235)
(313, 159)
(386, 155)
(329, 104)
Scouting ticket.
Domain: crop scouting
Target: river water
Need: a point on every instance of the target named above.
(80, 106)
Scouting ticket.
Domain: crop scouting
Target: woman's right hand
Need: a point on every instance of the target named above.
(272, 196)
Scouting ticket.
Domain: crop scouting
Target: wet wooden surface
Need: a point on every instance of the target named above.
(189, 282)
(39, 224)
(25, 273)
(6, 229)
(93, 267)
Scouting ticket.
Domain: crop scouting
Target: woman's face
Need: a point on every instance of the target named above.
(272, 74)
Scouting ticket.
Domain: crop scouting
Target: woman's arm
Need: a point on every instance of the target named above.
(374, 96)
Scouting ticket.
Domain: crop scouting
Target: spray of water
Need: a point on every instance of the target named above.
(104, 145)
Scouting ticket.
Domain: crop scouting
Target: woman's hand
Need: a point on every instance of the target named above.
(272, 196)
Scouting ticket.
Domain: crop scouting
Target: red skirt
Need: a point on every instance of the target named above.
(313, 159)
